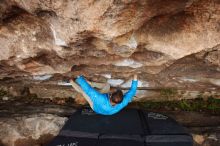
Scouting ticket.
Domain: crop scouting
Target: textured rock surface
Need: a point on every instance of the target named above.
(29, 130)
(173, 46)
(169, 43)
(24, 124)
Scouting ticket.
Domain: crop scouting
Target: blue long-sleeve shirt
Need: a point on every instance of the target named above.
(101, 102)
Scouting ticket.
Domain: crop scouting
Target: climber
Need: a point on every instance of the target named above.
(104, 103)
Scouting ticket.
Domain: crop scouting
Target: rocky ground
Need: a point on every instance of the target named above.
(35, 121)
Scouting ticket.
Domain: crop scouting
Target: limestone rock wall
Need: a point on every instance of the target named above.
(168, 43)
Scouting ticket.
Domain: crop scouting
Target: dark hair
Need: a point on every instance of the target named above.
(117, 96)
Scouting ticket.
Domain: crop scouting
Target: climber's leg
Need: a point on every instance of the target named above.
(103, 87)
(106, 88)
(78, 89)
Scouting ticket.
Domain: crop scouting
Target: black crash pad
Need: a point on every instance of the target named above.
(130, 127)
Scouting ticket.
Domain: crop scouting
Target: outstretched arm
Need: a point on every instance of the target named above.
(135, 77)
(127, 97)
(132, 91)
